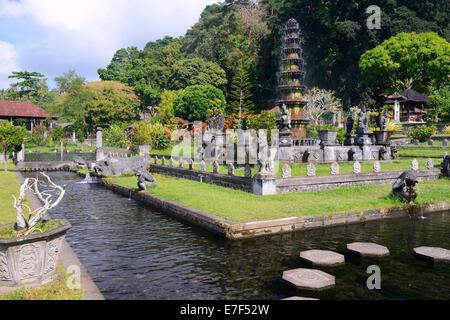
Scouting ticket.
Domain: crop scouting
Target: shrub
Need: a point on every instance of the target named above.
(341, 135)
(311, 132)
(394, 126)
(80, 135)
(160, 137)
(37, 136)
(115, 137)
(422, 133)
(142, 133)
(446, 130)
(57, 133)
(194, 102)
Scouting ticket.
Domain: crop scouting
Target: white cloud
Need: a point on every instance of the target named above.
(84, 34)
(9, 63)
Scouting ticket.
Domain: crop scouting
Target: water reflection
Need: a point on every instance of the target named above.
(132, 252)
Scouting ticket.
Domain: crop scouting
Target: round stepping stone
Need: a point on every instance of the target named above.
(309, 279)
(299, 298)
(368, 249)
(324, 258)
(433, 254)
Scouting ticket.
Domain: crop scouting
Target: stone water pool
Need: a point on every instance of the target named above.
(133, 252)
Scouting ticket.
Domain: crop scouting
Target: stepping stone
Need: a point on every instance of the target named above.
(299, 298)
(324, 258)
(368, 249)
(433, 254)
(309, 279)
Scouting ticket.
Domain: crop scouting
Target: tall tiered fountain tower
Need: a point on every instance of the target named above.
(291, 77)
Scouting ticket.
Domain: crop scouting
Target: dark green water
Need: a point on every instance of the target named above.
(132, 252)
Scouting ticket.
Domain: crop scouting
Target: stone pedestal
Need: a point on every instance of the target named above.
(381, 137)
(99, 154)
(350, 140)
(264, 183)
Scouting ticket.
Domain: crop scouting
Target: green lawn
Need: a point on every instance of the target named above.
(424, 152)
(299, 169)
(240, 206)
(9, 185)
(56, 290)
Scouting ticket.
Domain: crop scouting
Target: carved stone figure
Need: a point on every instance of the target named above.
(285, 118)
(114, 167)
(404, 187)
(376, 166)
(79, 162)
(445, 166)
(215, 167)
(383, 121)
(394, 152)
(334, 168)
(349, 123)
(356, 167)
(363, 122)
(414, 165)
(264, 160)
(311, 170)
(145, 179)
(247, 171)
(382, 153)
(202, 165)
(430, 164)
(286, 171)
(230, 169)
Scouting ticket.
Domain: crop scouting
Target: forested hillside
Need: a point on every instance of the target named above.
(248, 33)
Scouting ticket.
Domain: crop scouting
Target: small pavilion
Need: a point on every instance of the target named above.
(31, 113)
(408, 105)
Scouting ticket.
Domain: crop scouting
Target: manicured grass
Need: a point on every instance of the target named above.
(299, 169)
(240, 206)
(56, 290)
(424, 152)
(9, 185)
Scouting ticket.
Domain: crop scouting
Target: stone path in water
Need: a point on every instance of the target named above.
(323, 258)
(433, 254)
(312, 279)
(368, 249)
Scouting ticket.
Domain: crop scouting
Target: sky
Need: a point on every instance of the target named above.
(54, 36)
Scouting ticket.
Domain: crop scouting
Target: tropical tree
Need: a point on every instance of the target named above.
(194, 102)
(424, 58)
(165, 108)
(319, 102)
(239, 97)
(196, 71)
(30, 86)
(11, 138)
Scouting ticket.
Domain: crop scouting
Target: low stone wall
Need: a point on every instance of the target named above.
(228, 181)
(45, 165)
(327, 182)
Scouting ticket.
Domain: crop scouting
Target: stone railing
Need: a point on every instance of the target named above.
(176, 168)
(305, 142)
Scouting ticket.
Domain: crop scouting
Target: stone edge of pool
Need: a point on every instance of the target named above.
(68, 257)
(237, 231)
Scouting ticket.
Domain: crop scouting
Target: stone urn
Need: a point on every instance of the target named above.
(31, 260)
(381, 137)
(328, 137)
(144, 149)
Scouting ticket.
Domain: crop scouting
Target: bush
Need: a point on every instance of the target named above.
(115, 137)
(57, 133)
(341, 135)
(311, 132)
(422, 133)
(37, 136)
(446, 130)
(160, 137)
(142, 133)
(194, 102)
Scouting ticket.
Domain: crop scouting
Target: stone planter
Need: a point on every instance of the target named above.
(31, 260)
(144, 149)
(327, 137)
(381, 137)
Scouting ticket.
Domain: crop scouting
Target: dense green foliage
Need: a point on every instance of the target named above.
(423, 58)
(11, 138)
(115, 137)
(142, 133)
(422, 133)
(194, 102)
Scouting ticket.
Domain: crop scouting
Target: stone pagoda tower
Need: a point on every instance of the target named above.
(291, 77)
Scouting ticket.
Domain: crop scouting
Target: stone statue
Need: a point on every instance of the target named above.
(264, 161)
(349, 122)
(383, 121)
(363, 122)
(445, 166)
(382, 153)
(285, 119)
(218, 120)
(117, 166)
(404, 187)
(286, 171)
(79, 162)
(145, 179)
(394, 152)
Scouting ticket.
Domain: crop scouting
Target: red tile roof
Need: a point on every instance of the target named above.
(22, 109)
